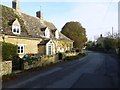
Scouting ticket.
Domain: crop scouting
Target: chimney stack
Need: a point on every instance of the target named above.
(15, 5)
(38, 14)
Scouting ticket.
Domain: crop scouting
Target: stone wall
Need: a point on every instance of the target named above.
(0, 59)
(45, 60)
(71, 54)
(0, 69)
(6, 67)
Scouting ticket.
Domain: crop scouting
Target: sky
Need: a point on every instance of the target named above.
(97, 16)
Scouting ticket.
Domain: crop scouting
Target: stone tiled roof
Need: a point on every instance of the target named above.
(30, 26)
(63, 37)
(44, 42)
(8, 17)
(33, 25)
(50, 25)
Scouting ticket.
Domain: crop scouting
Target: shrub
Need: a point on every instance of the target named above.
(9, 51)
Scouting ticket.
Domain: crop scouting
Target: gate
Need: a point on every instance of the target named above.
(60, 56)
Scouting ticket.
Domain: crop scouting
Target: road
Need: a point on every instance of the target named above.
(96, 70)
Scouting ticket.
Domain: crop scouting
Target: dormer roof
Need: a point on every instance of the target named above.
(16, 23)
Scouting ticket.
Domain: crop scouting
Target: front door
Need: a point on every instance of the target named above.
(60, 56)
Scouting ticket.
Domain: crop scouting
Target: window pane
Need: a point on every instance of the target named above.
(21, 51)
(14, 30)
(18, 51)
(17, 30)
(21, 47)
(49, 50)
(18, 47)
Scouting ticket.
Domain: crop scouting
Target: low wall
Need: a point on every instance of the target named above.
(71, 54)
(6, 67)
(45, 60)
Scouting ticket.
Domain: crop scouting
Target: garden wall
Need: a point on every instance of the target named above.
(71, 54)
(43, 61)
(6, 67)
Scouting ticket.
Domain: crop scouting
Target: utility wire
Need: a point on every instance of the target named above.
(106, 14)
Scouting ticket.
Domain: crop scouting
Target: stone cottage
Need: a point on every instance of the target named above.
(31, 34)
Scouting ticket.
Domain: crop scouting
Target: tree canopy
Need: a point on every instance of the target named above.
(76, 32)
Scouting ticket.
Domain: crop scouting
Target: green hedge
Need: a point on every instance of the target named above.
(9, 51)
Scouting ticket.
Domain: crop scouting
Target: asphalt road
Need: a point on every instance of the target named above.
(96, 70)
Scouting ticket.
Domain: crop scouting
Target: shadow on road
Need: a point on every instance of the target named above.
(90, 80)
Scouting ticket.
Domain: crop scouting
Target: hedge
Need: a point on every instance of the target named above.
(9, 51)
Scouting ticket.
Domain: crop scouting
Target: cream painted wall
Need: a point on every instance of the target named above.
(30, 44)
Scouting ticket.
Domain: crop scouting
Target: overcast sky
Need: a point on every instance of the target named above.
(97, 16)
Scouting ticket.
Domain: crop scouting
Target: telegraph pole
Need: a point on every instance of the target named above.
(112, 32)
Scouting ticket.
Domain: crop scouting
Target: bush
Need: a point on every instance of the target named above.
(9, 51)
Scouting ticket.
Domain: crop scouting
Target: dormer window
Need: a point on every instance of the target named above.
(47, 33)
(16, 27)
(16, 30)
(57, 34)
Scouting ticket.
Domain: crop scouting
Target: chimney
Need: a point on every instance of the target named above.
(38, 14)
(15, 5)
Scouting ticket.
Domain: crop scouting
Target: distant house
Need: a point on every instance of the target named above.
(100, 40)
(31, 34)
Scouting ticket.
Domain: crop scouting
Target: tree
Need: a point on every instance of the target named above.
(89, 45)
(76, 32)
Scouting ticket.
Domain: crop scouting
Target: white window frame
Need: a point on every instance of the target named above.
(21, 51)
(48, 49)
(16, 27)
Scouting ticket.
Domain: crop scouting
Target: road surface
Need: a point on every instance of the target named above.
(96, 70)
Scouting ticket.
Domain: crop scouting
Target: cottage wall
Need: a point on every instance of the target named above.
(30, 44)
(42, 49)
